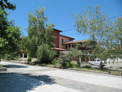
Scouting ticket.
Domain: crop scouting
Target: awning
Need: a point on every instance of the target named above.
(59, 49)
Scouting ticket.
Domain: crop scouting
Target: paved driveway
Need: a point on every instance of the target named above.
(26, 78)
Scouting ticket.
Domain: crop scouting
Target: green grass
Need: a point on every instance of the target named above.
(1, 66)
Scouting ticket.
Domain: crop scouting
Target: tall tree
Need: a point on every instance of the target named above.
(116, 39)
(9, 33)
(40, 36)
(118, 32)
(95, 23)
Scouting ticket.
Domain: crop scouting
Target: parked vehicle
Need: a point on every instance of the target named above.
(96, 61)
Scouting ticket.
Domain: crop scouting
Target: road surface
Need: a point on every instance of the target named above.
(27, 78)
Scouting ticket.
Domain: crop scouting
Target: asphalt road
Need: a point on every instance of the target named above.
(27, 78)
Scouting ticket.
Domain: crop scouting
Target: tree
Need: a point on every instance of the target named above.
(116, 39)
(94, 23)
(118, 32)
(9, 33)
(40, 37)
(5, 4)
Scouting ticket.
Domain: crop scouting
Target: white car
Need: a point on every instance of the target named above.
(96, 61)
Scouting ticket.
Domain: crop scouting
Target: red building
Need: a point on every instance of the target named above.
(56, 34)
(63, 43)
(60, 40)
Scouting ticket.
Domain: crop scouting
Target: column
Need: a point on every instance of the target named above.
(23, 55)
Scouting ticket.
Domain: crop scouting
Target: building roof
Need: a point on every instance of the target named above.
(67, 37)
(71, 42)
(57, 30)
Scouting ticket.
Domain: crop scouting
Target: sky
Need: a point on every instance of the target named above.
(60, 13)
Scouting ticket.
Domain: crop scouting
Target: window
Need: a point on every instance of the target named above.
(62, 41)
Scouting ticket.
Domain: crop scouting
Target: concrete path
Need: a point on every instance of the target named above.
(27, 78)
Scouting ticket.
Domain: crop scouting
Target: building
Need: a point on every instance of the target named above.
(63, 43)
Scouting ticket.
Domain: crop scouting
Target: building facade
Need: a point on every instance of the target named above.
(63, 43)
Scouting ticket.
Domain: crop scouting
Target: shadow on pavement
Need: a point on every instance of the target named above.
(14, 66)
(47, 79)
(14, 82)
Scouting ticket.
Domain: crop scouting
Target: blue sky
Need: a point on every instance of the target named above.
(59, 12)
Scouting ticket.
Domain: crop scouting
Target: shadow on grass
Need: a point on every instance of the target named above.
(14, 82)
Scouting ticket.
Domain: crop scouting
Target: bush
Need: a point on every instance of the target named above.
(64, 60)
(29, 59)
(86, 66)
(54, 61)
(11, 56)
(68, 65)
(72, 65)
(45, 53)
(78, 63)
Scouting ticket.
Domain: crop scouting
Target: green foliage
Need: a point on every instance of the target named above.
(75, 52)
(24, 44)
(5, 4)
(11, 55)
(54, 61)
(72, 65)
(78, 63)
(29, 59)
(40, 39)
(117, 33)
(101, 30)
(92, 22)
(9, 33)
(65, 60)
(45, 53)
(86, 66)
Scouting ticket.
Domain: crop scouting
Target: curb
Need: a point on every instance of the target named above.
(3, 69)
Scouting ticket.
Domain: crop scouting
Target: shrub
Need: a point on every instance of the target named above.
(72, 65)
(64, 60)
(78, 63)
(54, 61)
(29, 59)
(86, 66)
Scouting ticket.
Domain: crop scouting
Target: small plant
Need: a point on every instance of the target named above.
(54, 61)
(29, 59)
(73, 65)
(68, 65)
(86, 66)
(64, 60)
(78, 63)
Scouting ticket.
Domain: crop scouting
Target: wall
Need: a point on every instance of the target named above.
(56, 34)
(65, 39)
